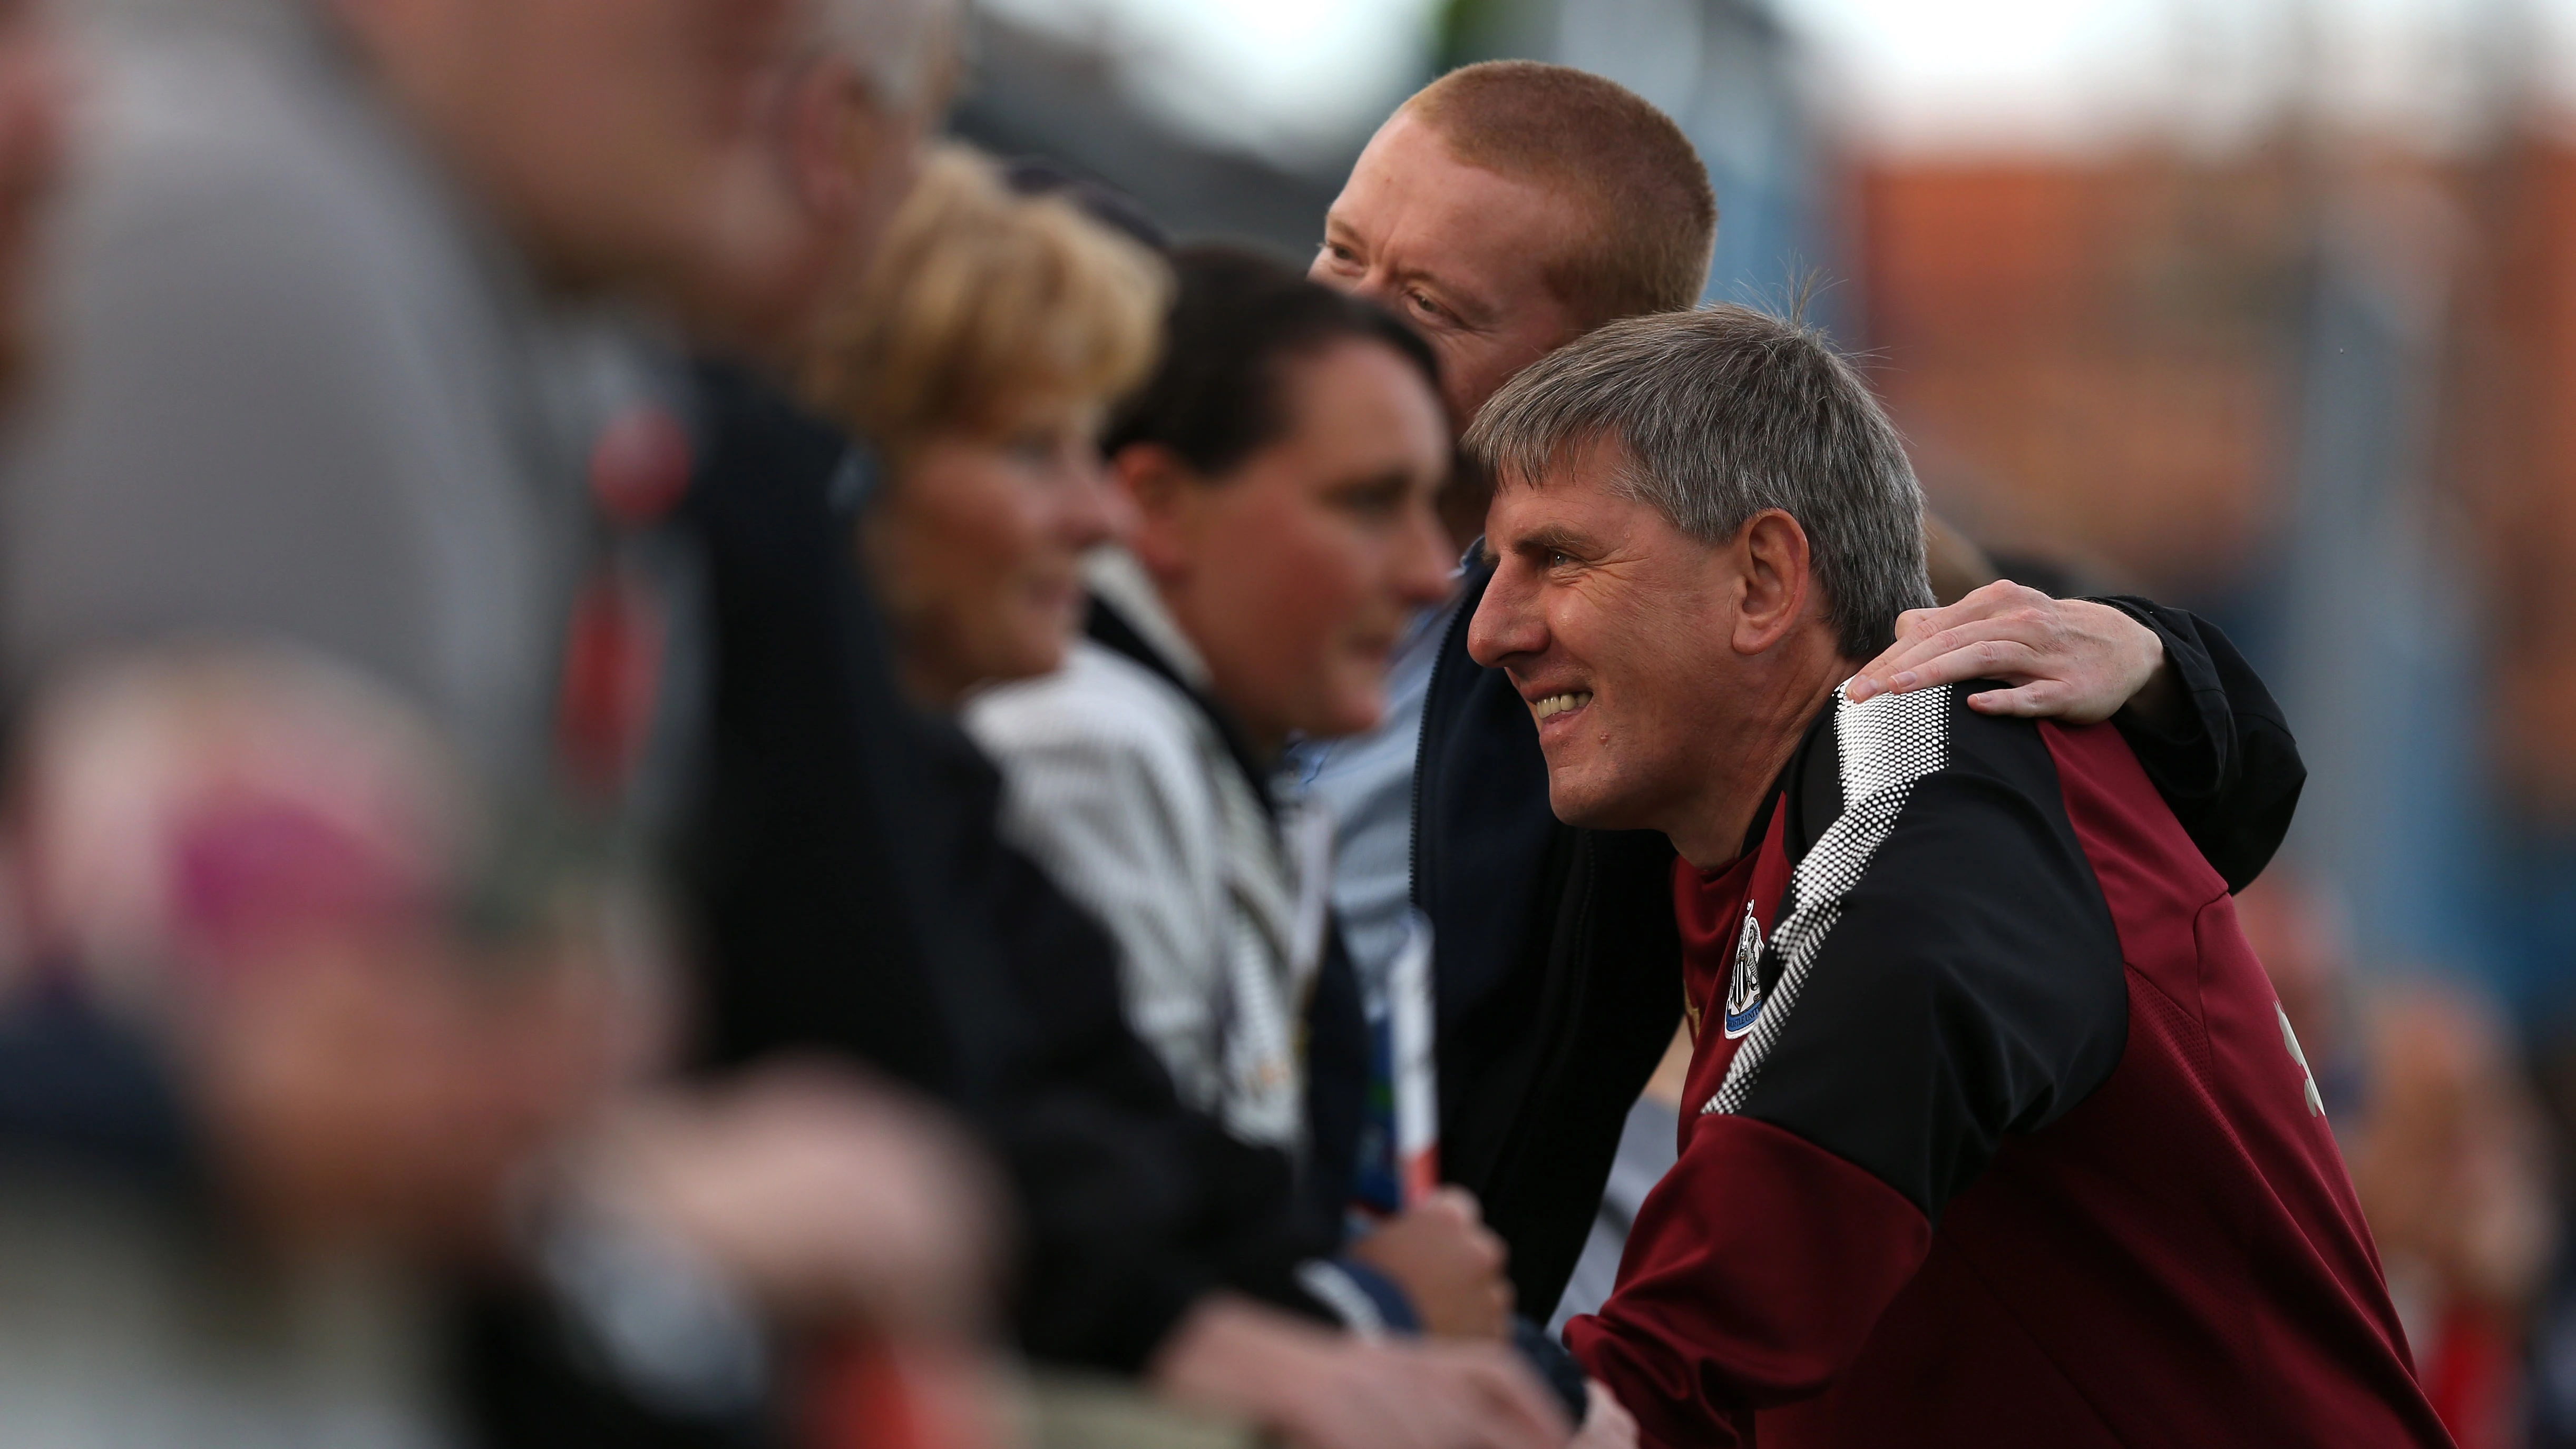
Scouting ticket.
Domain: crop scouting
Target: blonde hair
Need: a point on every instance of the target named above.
(981, 305)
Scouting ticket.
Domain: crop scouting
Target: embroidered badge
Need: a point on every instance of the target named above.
(1744, 984)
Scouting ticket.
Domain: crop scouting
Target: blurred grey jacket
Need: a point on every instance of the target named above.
(294, 392)
(295, 389)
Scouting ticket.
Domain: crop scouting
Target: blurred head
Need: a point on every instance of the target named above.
(671, 146)
(981, 353)
(33, 106)
(1702, 521)
(1512, 206)
(1283, 462)
(2448, 1157)
(252, 859)
(852, 105)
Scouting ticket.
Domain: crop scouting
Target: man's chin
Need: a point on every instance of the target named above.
(1585, 805)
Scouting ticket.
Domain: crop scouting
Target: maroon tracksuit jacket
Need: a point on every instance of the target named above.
(1995, 1133)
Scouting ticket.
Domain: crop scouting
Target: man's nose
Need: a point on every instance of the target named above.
(1507, 624)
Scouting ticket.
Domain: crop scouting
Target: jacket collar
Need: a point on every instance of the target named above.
(1128, 618)
(1118, 581)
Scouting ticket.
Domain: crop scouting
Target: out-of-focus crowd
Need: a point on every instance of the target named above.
(508, 941)
(516, 931)
(2452, 1154)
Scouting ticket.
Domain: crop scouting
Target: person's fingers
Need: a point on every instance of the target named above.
(1607, 1424)
(2033, 627)
(1918, 636)
(2039, 699)
(1519, 1411)
(1523, 1420)
(1915, 623)
(2000, 597)
(1453, 1199)
(1901, 667)
(2008, 660)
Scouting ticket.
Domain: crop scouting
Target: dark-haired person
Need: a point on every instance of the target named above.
(1281, 465)
(1505, 210)
(1995, 1132)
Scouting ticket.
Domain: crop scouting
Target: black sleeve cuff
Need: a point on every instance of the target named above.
(2195, 761)
(1555, 1367)
(2232, 774)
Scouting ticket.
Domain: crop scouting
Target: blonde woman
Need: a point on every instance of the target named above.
(981, 354)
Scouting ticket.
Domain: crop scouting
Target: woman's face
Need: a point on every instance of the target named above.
(977, 548)
(1296, 572)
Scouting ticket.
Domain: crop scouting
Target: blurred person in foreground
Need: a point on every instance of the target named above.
(1505, 210)
(35, 101)
(2447, 1156)
(1996, 1133)
(979, 358)
(327, 647)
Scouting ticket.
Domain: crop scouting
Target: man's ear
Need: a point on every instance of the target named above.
(1164, 489)
(1772, 560)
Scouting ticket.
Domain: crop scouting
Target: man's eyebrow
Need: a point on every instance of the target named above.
(1394, 480)
(1550, 538)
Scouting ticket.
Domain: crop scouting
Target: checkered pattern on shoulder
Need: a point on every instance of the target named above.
(1884, 746)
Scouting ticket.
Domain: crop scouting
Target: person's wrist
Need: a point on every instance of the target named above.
(2159, 701)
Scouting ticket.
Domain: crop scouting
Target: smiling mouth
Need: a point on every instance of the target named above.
(1556, 704)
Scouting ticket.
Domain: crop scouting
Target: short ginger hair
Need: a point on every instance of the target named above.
(980, 306)
(1652, 217)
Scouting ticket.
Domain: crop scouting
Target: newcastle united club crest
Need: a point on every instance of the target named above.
(1744, 984)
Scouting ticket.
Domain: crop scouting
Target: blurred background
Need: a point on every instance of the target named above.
(2262, 307)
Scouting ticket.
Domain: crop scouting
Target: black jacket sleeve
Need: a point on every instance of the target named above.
(1133, 1205)
(2233, 773)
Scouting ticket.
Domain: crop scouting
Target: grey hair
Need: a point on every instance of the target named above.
(1725, 412)
(897, 46)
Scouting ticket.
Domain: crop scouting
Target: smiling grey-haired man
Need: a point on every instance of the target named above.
(1504, 211)
(1994, 1131)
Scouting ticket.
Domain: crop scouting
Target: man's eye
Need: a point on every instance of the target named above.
(1376, 502)
(1559, 559)
(1429, 308)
